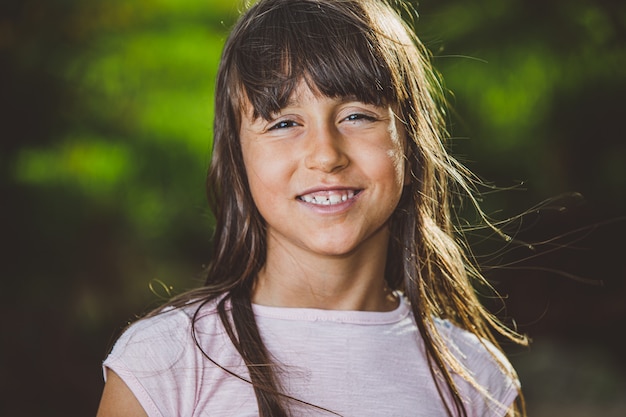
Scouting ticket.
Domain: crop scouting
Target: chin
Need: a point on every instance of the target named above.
(333, 249)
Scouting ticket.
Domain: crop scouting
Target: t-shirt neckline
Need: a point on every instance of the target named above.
(337, 316)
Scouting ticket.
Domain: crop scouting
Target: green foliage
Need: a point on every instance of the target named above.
(522, 75)
(106, 114)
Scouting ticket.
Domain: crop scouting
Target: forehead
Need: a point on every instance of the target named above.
(304, 92)
(300, 96)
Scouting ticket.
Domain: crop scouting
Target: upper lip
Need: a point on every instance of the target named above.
(322, 189)
(329, 195)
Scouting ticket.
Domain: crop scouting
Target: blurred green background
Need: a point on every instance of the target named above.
(105, 133)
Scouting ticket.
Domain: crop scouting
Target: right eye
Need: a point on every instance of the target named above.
(283, 124)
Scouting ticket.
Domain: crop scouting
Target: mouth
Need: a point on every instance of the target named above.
(328, 197)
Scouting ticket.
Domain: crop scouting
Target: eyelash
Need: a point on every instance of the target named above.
(360, 116)
(284, 124)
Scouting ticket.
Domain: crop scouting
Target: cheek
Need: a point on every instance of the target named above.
(267, 178)
(396, 160)
(257, 178)
(392, 162)
(397, 150)
(252, 167)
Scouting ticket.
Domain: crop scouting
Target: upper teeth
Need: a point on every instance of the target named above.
(328, 199)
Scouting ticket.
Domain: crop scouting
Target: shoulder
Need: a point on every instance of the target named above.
(470, 348)
(495, 384)
(160, 339)
(157, 355)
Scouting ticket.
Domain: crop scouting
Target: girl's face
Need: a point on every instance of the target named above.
(325, 173)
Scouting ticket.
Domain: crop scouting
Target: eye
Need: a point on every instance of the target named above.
(355, 117)
(283, 124)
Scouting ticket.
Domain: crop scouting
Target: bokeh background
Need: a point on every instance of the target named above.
(105, 132)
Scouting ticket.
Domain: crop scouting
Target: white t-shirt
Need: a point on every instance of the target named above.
(355, 363)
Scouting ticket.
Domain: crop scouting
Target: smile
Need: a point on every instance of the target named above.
(329, 198)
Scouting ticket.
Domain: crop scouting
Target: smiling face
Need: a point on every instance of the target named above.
(325, 173)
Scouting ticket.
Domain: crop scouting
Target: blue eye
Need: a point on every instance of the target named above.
(283, 124)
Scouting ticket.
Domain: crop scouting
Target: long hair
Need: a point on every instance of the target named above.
(341, 48)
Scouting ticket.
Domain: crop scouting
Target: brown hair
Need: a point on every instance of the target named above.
(359, 48)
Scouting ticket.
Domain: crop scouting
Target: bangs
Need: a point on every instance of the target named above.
(337, 54)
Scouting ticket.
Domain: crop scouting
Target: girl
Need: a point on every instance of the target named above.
(337, 286)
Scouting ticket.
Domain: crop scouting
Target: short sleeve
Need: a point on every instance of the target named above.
(148, 357)
(176, 366)
(490, 369)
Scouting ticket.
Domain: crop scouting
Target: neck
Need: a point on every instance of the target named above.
(292, 277)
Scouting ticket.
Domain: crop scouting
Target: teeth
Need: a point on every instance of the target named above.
(329, 198)
(319, 199)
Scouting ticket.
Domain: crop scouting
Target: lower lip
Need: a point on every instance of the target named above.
(332, 208)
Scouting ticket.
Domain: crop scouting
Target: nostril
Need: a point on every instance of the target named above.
(327, 159)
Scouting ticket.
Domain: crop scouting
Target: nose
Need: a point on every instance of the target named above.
(326, 151)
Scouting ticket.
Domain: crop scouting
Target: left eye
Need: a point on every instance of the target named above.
(359, 116)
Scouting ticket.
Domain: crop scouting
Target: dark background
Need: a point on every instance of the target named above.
(105, 129)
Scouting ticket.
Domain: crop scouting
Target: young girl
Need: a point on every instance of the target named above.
(337, 286)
